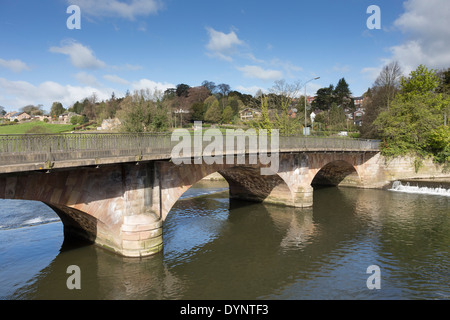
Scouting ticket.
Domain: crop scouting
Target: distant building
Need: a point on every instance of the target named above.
(9, 114)
(310, 100)
(357, 116)
(65, 117)
(359, 101)
(19, 116)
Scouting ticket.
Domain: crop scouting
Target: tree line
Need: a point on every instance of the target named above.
(410, 113)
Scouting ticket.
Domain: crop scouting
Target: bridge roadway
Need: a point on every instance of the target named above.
(116, 190)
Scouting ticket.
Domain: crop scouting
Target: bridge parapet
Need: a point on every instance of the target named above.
(46, 151)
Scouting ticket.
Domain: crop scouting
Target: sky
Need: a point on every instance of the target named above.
(156, 44)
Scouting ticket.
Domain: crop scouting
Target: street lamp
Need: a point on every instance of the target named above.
(304, 131)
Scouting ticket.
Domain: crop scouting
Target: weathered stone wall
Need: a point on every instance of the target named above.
(110, 205)
(379, 172)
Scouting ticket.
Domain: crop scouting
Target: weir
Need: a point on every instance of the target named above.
(422, 187)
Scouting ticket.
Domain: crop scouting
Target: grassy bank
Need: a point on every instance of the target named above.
(35, 127)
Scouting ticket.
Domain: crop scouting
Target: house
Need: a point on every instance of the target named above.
(42, 118)
(65, 117)
(357, 116)
(17, 115)
(9, 114)
(358, 101)
(249, 114)
(310, 100)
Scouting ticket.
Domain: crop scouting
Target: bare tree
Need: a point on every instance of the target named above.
(388, 81)
(285, 93)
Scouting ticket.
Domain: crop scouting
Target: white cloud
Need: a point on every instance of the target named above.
(14, 65)
(114, 8)
(371, 73)
(288, 67)
(127, 67)
(341, 68)
(17, 94)
(152, 85)
(222, 45)
(80, 55)
(425, 22)
(260, 73)
(249, 90)
(115, 79)
(87, 79)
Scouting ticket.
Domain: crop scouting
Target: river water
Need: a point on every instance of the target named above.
(217, 249)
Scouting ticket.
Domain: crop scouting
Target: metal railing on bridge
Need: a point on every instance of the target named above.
(33, 148)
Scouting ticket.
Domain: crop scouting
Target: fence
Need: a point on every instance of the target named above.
(17, 149)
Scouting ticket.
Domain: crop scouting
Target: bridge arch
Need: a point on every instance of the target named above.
(245, 183)
(335, 173)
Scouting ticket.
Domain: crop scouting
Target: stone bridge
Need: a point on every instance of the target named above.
(116, 190)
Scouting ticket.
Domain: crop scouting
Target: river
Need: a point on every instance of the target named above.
(217, 249)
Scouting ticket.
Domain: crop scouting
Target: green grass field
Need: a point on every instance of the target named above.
(35, 127)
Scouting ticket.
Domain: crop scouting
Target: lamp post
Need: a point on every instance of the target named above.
(305, 102)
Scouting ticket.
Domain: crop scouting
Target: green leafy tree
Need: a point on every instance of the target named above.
(227, 115)
(182, 90)
(198, 111)
(264, 122)
(413, 122)
(213, 113)
(337, 116)
(57, 109)
(142, 113)
(324, 98)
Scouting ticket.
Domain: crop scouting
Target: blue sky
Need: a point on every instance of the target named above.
(248, 44)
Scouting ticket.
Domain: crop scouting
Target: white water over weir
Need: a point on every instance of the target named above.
(408, 188)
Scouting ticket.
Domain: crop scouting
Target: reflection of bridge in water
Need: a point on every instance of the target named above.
(117, 189)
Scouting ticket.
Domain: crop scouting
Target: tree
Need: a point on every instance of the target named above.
(444, 86)
(286, 93)
(264, 122)
(413, 122)
(324, 98)
(342, 93)
(170, 93)
(211, 86)
(33, 110)
(198, 111)
(182, 90)
(213, 113)
(77, 108)
(57, 109)
(227, 115)
(143, 112)
(388, 82)
(337, 116)
(2, 111)
(224, 90)
(379, 98)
